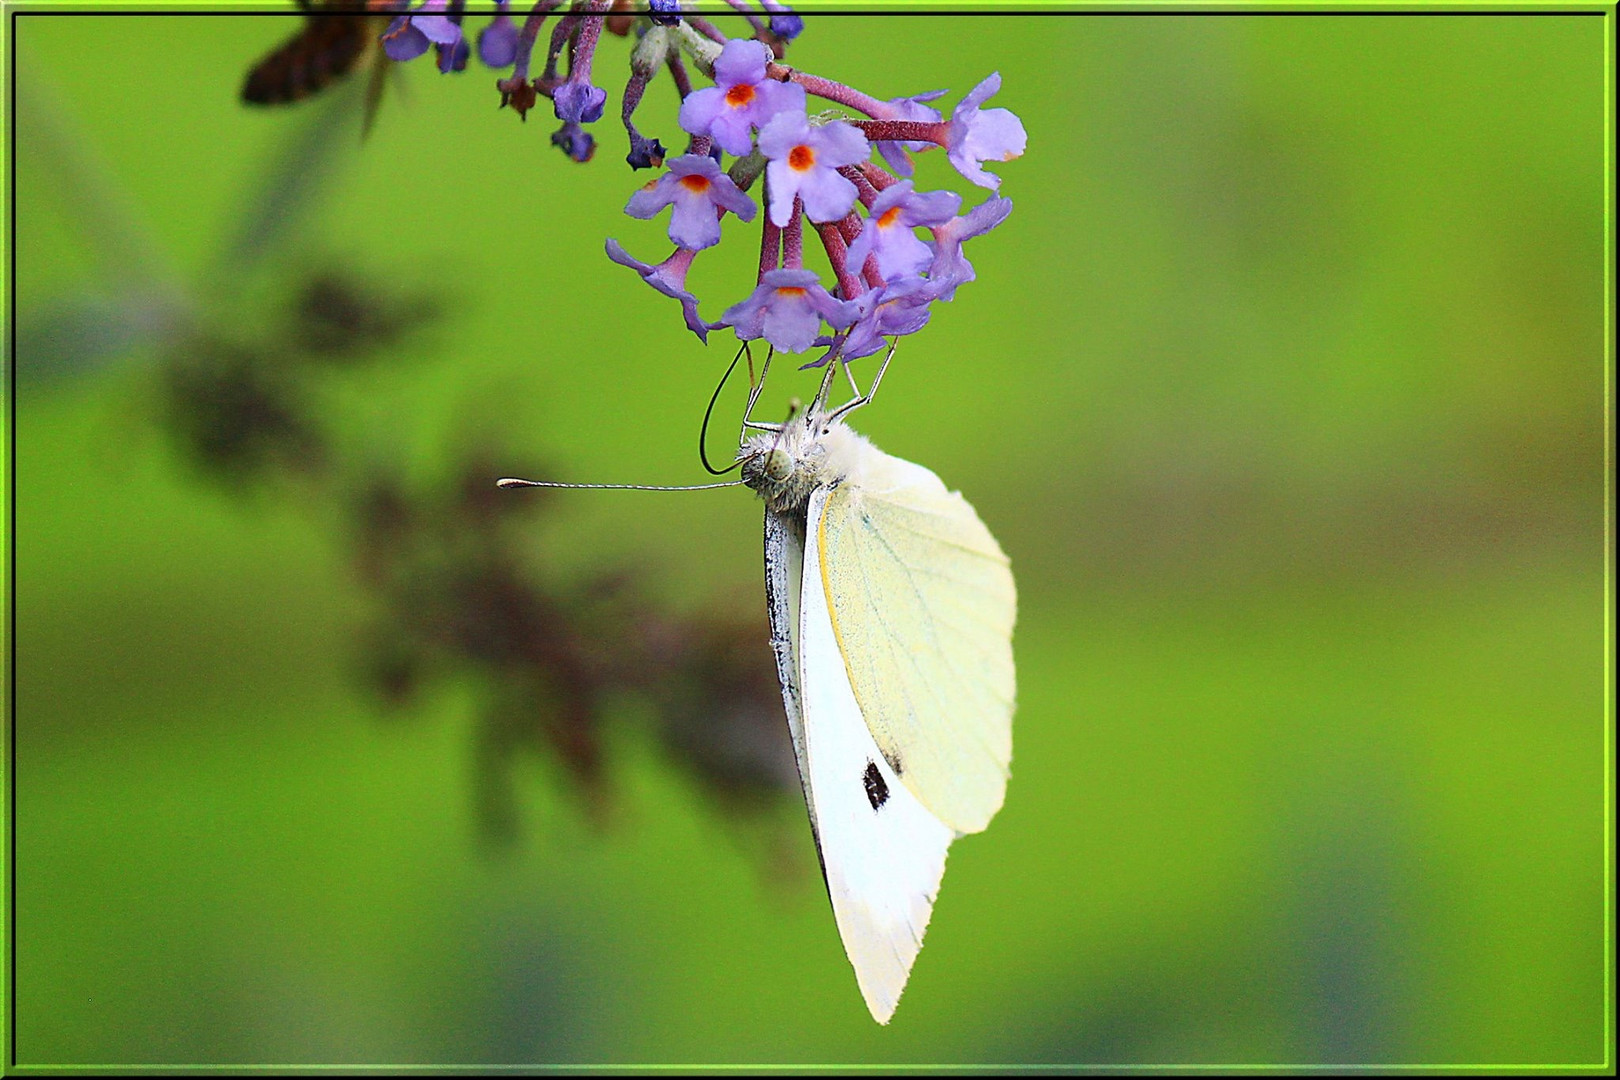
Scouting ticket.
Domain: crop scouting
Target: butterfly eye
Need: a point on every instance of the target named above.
(778, 465)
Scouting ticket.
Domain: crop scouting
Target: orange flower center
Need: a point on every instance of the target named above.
(695, 184)
(888, 217)
(739, 95)
(801, 158)
(790, 291)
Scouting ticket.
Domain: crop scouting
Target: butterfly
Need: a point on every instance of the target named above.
(891, 612)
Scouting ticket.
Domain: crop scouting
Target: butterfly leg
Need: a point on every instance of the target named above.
(871, 391)
(753, 397)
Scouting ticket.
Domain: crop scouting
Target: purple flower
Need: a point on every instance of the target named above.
(804, 161)
(409, 36)
(976, 136)
(742, 98)
(887, 233)
(908, 108)
(786, 310)
(664, 12)
(453, 57)
(900, 307)
(574, 141)
(669, 278)
(949, 269)
(497, 42)
(695, 186)
(579, 102)
(786, 25)
(644, 153)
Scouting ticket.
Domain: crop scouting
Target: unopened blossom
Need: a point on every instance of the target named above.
(741, 99)
(498, 42)
(574, 141)
(409, 36)
(977, 135)
(664, 12)
(787, 309)
(803, 161)
(669, 278)
(948, 268)
(784, 24)
(577, 101)
(453, 57)
(908, 108)
(896, 308)
(888, 231)
(696, 187)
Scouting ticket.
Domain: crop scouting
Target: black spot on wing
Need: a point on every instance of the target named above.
(894, 763)
(877, 792)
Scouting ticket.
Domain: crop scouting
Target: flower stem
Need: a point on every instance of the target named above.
(742, 8)
(877, 175)
(770, 248)
(867, 191)
(826, 88)
(832, 240)
(793, 237)
(590, 29)
(904, 130)
(527, 36)
(706, 28)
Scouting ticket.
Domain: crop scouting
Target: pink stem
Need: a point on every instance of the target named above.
(742, 8)
(905, 130)
(527, 36)
(793, 237)
(877, 175)
(770, 248)
(837, 254)
(826, 88)
(705, 27)
(863, 187)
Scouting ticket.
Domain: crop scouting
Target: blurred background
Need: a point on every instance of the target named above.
(1283, 387)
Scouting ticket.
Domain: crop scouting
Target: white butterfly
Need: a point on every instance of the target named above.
(891, 610)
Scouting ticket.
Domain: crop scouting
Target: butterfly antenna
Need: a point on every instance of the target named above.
(703, 432)
(517, 482)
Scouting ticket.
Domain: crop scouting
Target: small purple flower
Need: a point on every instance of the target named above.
(787, 25)
(664, 12)
(804, 162)
(695, 186)
(742, 98)
(786, 310)
(644, 153)
(949, 269)
(579, 102)
(900, 307)
(989, 135)
(574, 141)
(887, 233)
(908, 108)
(453, 57)
(669, 278)
(497, 42)
(409, 36)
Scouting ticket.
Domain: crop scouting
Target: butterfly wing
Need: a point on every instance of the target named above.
(923, 604)
(784, 564)
(882, 852)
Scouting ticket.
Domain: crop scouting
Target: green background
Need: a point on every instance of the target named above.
(1283, 387)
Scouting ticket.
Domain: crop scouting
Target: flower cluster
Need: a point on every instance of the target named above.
(814, 169)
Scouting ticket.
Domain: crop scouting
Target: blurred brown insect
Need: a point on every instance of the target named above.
(327, 48)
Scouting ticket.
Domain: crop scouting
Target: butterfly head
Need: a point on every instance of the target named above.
(785, 466)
